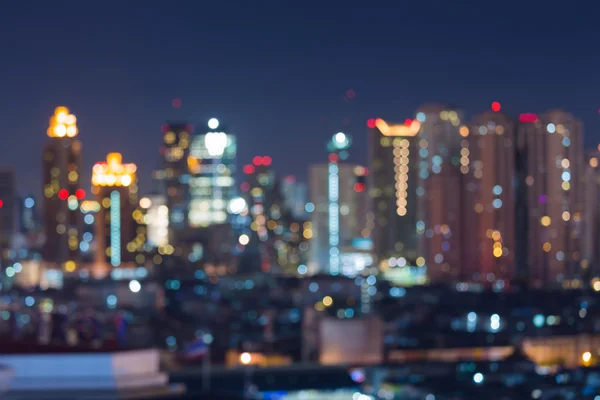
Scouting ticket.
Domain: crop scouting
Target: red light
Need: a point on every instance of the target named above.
(359, 187)
(249, 169)
(528, 118)
(371, 123)
(496, 106)
(407, 122)
(245, 186)
(333, 157)
(63, 194)
(164, 128)
(189, 128)
(176, 103)
(257, 160)
(290, 179)
(267, 160)
(80, 194)
(1, 203)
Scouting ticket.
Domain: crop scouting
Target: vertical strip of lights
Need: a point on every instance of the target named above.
(401, 152)
(115, 228)
(334, 216)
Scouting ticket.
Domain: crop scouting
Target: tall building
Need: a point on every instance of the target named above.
(439, 198)
(174, 174)
(338, 222)
(8, 208)
(156, 219)
(552, 152)
(352, 218)
(295, 195)
(211, 165)
(62, 191)
(120, 233)
(591, 216)
(488, 164)
(416, 197)
(392, 187)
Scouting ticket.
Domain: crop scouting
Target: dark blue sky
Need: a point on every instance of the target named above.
(275, 72)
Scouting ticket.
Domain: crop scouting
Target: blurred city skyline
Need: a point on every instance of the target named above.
(275, 75)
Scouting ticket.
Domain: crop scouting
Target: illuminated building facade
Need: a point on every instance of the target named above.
(295, 195)
(489, 167)
(591, 212)
(120, 232)
(392, 188)
(88, 245)
(62, 191)
(156, 218)
(436, 162)
(174, 175)
(211, 165)
(353, 241)
(552, 150)
(275, 238)
(8, 208)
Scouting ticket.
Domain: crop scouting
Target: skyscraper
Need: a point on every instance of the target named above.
(416, 196)
(211, 165)
(438, 192)
(392, 187)
(174, 174)
(591, 214)
(120, 233)
(352, 201)
(488, 164)
(551, 148)
(62, 191)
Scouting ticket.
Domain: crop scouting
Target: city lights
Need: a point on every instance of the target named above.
(410, 129)
(113, 172)
(62, 124)
(213, 123)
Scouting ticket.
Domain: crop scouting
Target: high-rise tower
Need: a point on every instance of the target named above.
(120, 233)
(62, 191)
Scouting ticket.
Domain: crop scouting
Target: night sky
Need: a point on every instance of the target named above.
(276, 72)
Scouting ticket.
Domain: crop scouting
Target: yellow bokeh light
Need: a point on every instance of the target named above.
(547, 247)
(593, 162)
(497, 252)
(70, 266)
(327, 301)
(596, 286)
(319, 306)
(464, 131)
(545, 220)
(496, 235)
(566, 215)
(566, 185)
(62, 124)
(420, 261)
(113, 172)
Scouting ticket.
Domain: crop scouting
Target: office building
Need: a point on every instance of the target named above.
(295, 196)
(156, 218)
(174, 175)
(590, 261)
(340, 240)
(437, 186)
(63, 191)
(415, 192)
(551, 151)
(488, 164)
(120, 232)
(211, 165)
(353, 241)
